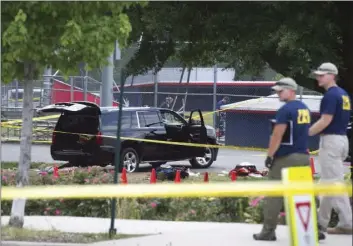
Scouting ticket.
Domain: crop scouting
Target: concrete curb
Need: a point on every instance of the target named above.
(23, 243)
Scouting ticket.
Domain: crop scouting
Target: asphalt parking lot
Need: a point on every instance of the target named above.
(227, 159)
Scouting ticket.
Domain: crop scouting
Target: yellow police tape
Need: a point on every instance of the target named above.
(238, 189)
(254, 100)
(154, 141)
(35, 99)
(48, 117)
(212, 112)
(8, 125)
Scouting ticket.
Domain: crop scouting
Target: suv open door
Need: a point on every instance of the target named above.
(198, 133)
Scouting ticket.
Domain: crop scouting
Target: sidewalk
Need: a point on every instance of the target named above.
(169, 233)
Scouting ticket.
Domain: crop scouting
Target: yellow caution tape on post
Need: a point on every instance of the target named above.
(239, 189)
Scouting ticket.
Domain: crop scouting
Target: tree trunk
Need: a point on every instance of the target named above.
(18, 205)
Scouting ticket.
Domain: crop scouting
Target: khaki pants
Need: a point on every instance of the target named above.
(273, 205)
(333, 151)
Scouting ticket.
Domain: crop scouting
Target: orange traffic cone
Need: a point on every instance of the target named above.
(177, 177)
(123, 176)
(312, 166)
(205, 177)
(56, 171)
(153, 178)
(233, 176)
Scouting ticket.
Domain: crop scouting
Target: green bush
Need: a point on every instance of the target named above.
(245, 209)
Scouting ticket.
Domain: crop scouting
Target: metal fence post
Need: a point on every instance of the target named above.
(16, 94)
(85, 88)
(46, 86)
(301, 89)
(100, 93)
(214, 95)
(71, 89)
(155, 80)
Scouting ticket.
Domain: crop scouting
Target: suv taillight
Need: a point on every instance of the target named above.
(53, 136)
(99, 139)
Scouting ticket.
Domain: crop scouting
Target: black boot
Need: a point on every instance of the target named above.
(265, 236)
(321, 231)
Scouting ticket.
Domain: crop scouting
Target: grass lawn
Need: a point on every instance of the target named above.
(16, 234)
(34, 165)
(9, 132)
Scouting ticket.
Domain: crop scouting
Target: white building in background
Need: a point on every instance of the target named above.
(198, 74)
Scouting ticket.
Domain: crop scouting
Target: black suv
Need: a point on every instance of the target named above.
(98, 148)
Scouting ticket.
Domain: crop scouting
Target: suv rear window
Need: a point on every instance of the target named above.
(77, 123)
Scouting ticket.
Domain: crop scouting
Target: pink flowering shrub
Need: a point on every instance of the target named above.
(84, 207)
(236, 209)
(195, 209)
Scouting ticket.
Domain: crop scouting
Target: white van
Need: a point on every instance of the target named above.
(9, 99)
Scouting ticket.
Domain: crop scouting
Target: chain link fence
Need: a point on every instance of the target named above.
(179, 89)
(48, 90)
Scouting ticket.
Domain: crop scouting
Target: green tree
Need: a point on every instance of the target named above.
(292, 38)
(61, 34)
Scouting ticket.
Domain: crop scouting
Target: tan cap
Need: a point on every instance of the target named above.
(326, 68)
(285, 83)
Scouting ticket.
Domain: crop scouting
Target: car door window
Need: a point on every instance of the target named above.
(110, 120)
(149, 119)
(134, 120)
(172, 118)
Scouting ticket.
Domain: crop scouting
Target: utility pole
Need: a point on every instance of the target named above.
(215, 95)
(107, 83)
(155, 83)
(117, 159)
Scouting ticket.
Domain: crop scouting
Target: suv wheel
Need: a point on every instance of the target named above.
(203, 162)
(130, 160)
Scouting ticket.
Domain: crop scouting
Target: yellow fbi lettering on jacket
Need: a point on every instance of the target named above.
(303, 116)
(346, 104)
